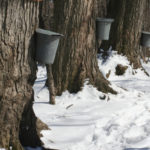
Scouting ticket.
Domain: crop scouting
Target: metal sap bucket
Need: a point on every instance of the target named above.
(145, 39)
(46, 45)
(103, 28)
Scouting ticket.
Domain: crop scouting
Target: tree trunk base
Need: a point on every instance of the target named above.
(28, 133)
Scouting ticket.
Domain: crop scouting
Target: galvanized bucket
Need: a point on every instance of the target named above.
(145, 39)
(103, 28)
(46, 45)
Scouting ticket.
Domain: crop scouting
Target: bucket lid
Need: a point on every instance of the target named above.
(105, 19)
(47, 32)
(145, 32)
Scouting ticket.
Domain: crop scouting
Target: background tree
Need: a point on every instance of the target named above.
(18, 21)
(126, 30)
(145, 52)
(76, 58)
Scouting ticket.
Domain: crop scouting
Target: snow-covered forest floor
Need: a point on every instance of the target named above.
(92, 120)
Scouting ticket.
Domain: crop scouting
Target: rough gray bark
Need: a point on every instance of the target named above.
(101, 8)
(76, 58)
(18, 21)
(146, 22)
(46, 14)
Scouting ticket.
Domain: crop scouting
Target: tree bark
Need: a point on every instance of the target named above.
(18, 21)
(76, 58)
(50, 83)
(126, 30)
(101, 8)
(145, 52)
(146, 22)
(46, 14)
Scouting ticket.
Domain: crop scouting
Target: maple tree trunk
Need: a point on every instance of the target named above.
(18, 21)
(126, 30)
(76, 58)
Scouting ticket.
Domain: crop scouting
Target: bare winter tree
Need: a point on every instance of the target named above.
(126, 30)
(76, 58)
(18, 21)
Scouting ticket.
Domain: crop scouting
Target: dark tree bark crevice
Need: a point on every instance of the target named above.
(28, 132)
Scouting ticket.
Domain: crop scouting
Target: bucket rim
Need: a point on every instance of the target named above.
(105, 19)
(145, 32)
(47, 32)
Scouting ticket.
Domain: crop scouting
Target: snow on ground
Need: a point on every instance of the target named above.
(92, 120)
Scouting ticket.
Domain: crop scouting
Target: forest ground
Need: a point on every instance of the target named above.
(92, 120)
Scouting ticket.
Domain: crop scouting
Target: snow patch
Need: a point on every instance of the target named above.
(92, 120)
